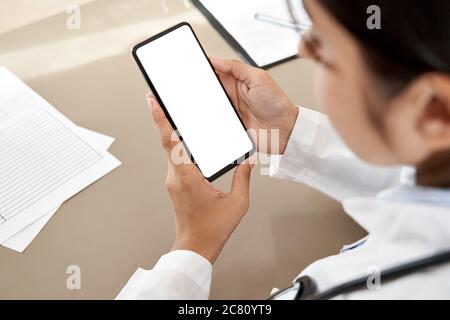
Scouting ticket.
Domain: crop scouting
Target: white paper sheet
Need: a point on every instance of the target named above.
(266, 43)
(44, 158)
(20, 241)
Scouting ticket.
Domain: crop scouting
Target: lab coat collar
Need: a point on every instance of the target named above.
(415, 194)
(405, 215)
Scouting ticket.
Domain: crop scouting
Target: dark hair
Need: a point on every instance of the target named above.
(414, 39)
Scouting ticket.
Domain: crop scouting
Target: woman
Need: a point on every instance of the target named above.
(387, 94)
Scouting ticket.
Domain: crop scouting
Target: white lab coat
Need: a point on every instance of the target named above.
(404, 223)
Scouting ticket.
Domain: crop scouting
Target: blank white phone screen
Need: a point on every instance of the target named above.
(195, 100)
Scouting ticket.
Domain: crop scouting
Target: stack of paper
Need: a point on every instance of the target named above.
(44, 160)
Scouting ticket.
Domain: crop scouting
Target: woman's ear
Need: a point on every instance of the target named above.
(434, 120)
(417, 121)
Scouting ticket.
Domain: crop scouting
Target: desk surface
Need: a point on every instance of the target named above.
(124, 221)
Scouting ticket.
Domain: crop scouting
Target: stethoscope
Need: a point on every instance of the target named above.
(304, 288)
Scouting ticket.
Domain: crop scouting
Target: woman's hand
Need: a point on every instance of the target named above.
(205, 216)
(259, 100)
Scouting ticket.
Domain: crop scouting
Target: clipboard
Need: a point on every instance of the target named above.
(233, 42)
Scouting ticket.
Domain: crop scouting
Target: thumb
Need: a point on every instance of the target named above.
(237, 69)
(241, 180)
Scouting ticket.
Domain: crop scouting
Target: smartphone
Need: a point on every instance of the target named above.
(194, 101)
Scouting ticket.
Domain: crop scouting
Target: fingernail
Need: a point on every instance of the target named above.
(218, 61)
(152, 103)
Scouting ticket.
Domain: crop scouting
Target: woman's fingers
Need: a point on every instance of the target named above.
(241, 181)
(166, 132)
(218, 64)
(169, 138)
(239, 70)
(180, 165)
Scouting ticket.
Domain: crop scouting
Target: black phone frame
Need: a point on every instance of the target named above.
(169, 118)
